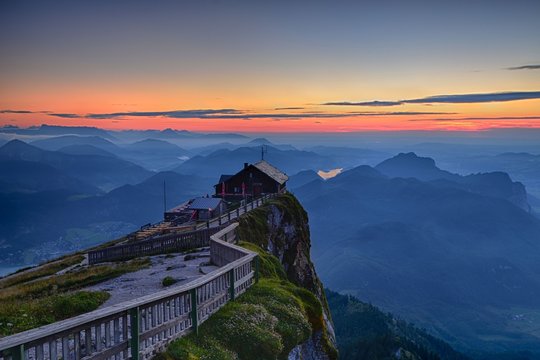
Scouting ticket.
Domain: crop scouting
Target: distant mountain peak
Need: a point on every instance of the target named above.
(260, 141)
(14, 143)
(169, 131)
(411, 158)
(152, 141)
(17, 147)
(410, 165)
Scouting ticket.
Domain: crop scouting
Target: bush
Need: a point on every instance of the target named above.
(168, 281)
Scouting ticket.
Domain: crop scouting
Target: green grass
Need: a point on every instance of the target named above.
(29, 274)
(17, 316)
(69, 281)
(27, 302)
(264, 323)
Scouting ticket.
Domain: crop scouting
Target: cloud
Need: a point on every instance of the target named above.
(422, 113)
(477, 98)
(22, 112)
(175, 114)
(524, 67)
(400, 113)
(67, 115)
(320, 115)
(450, 99)
(517, 118)
(202, 114)
(228, 114)
(289, 108)
(365, 103)
(15, 112)
(245, 116)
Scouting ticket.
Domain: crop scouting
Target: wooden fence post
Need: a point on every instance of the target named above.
(17, 352)
(257, 270)
(194, 316)
(134, 342)
(231, 285)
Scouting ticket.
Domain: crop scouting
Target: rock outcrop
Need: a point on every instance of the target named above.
(282, 228)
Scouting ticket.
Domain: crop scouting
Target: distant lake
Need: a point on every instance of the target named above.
(329, 174)
(11, 269)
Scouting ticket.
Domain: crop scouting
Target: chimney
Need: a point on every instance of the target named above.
(245, 165)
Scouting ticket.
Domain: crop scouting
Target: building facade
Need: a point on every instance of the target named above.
(252, 181)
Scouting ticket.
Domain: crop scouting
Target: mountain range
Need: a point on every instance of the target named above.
(457, 255)
(104, 172)
(363, 332)
(40, 225)
(226, 161)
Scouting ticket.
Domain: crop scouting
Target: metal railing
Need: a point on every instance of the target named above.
(139, 328)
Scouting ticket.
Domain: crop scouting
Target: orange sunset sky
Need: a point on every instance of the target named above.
(270, 67)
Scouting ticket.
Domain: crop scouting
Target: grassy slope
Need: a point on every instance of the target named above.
(253, 226)
(38, 297)
(267, 321)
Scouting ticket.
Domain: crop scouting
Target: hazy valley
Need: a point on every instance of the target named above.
(455, 254)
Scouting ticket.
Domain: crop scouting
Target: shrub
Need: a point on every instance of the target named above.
(168, 281)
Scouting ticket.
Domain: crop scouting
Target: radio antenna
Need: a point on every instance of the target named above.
(164, 197)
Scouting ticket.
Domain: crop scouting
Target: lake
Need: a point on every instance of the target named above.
(10, 269)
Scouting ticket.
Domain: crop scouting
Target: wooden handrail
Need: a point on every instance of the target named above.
(173, 242)
(145, 325)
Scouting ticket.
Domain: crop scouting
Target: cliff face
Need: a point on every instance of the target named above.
(281, 228)
(285, 315)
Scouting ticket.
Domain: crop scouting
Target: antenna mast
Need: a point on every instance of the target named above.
(263, 151)
(164, 197)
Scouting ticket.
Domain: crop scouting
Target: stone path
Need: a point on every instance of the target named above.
(179, 266)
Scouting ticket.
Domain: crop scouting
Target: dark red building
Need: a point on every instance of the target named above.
(252, 181)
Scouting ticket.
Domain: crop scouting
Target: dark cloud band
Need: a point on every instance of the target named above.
(450, 99)
(497, 118)
(365, 103)
(524, 67)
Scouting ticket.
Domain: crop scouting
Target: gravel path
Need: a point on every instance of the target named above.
(181, 267)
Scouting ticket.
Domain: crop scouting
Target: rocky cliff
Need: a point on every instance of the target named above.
(281, 228)
(285, 315)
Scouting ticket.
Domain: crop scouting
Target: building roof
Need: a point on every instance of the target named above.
(179, 208)
(272, 171)
(203, 203)
(224, 178)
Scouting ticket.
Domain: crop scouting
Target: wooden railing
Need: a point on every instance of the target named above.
(139, 328)
(164, 244)
(234, 214)
(176, 241)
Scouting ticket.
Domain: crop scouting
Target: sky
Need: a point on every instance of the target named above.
(271, 66)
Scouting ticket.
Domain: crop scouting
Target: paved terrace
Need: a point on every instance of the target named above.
(182, 267)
